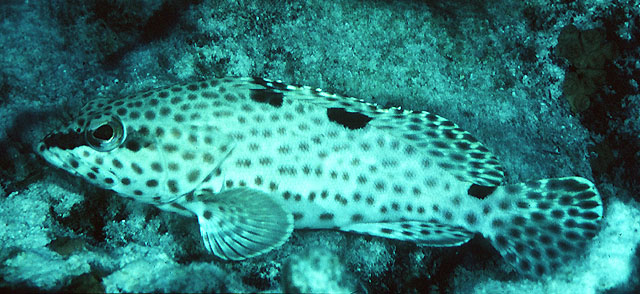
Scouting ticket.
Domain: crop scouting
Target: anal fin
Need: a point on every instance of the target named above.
(426, 233)
(240, 223)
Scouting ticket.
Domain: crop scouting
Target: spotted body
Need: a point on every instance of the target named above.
(252, 158)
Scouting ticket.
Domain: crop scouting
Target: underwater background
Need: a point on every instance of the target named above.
(551, 87)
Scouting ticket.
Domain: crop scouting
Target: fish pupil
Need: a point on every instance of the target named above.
(104, 132)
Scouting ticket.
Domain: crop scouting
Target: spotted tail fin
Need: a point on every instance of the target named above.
(539, 225)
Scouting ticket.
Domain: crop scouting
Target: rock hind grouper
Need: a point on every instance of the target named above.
(253, 158)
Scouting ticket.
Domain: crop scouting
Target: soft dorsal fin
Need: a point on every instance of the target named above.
(451, 147)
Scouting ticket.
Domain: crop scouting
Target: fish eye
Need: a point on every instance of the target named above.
(105, 134)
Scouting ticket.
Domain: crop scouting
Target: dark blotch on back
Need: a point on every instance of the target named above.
(269, 96)
(350, 120)
(480, 192)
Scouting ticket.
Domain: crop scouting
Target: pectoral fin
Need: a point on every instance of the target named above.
(240, 223)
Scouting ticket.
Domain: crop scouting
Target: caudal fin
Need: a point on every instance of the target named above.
(539, 225)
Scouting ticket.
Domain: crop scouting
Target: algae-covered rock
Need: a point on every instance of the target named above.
(317, 272)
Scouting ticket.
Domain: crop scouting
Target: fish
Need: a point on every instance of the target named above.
(251, 159)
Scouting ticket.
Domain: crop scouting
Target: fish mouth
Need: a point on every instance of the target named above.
(58, 161)
(46, 148)
(64, 159)
(63, 140)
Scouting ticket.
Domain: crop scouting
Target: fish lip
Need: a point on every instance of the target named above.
(45, 151)
(61, 163)
(41, 147)
(55, 160)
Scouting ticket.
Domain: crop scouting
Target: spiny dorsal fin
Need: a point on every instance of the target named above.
(451, 147)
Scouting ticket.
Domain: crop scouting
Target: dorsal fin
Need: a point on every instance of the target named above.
(451, 147)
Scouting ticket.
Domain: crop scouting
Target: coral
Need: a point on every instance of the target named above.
(588, 52)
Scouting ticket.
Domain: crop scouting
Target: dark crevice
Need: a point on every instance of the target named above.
(156, 27)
